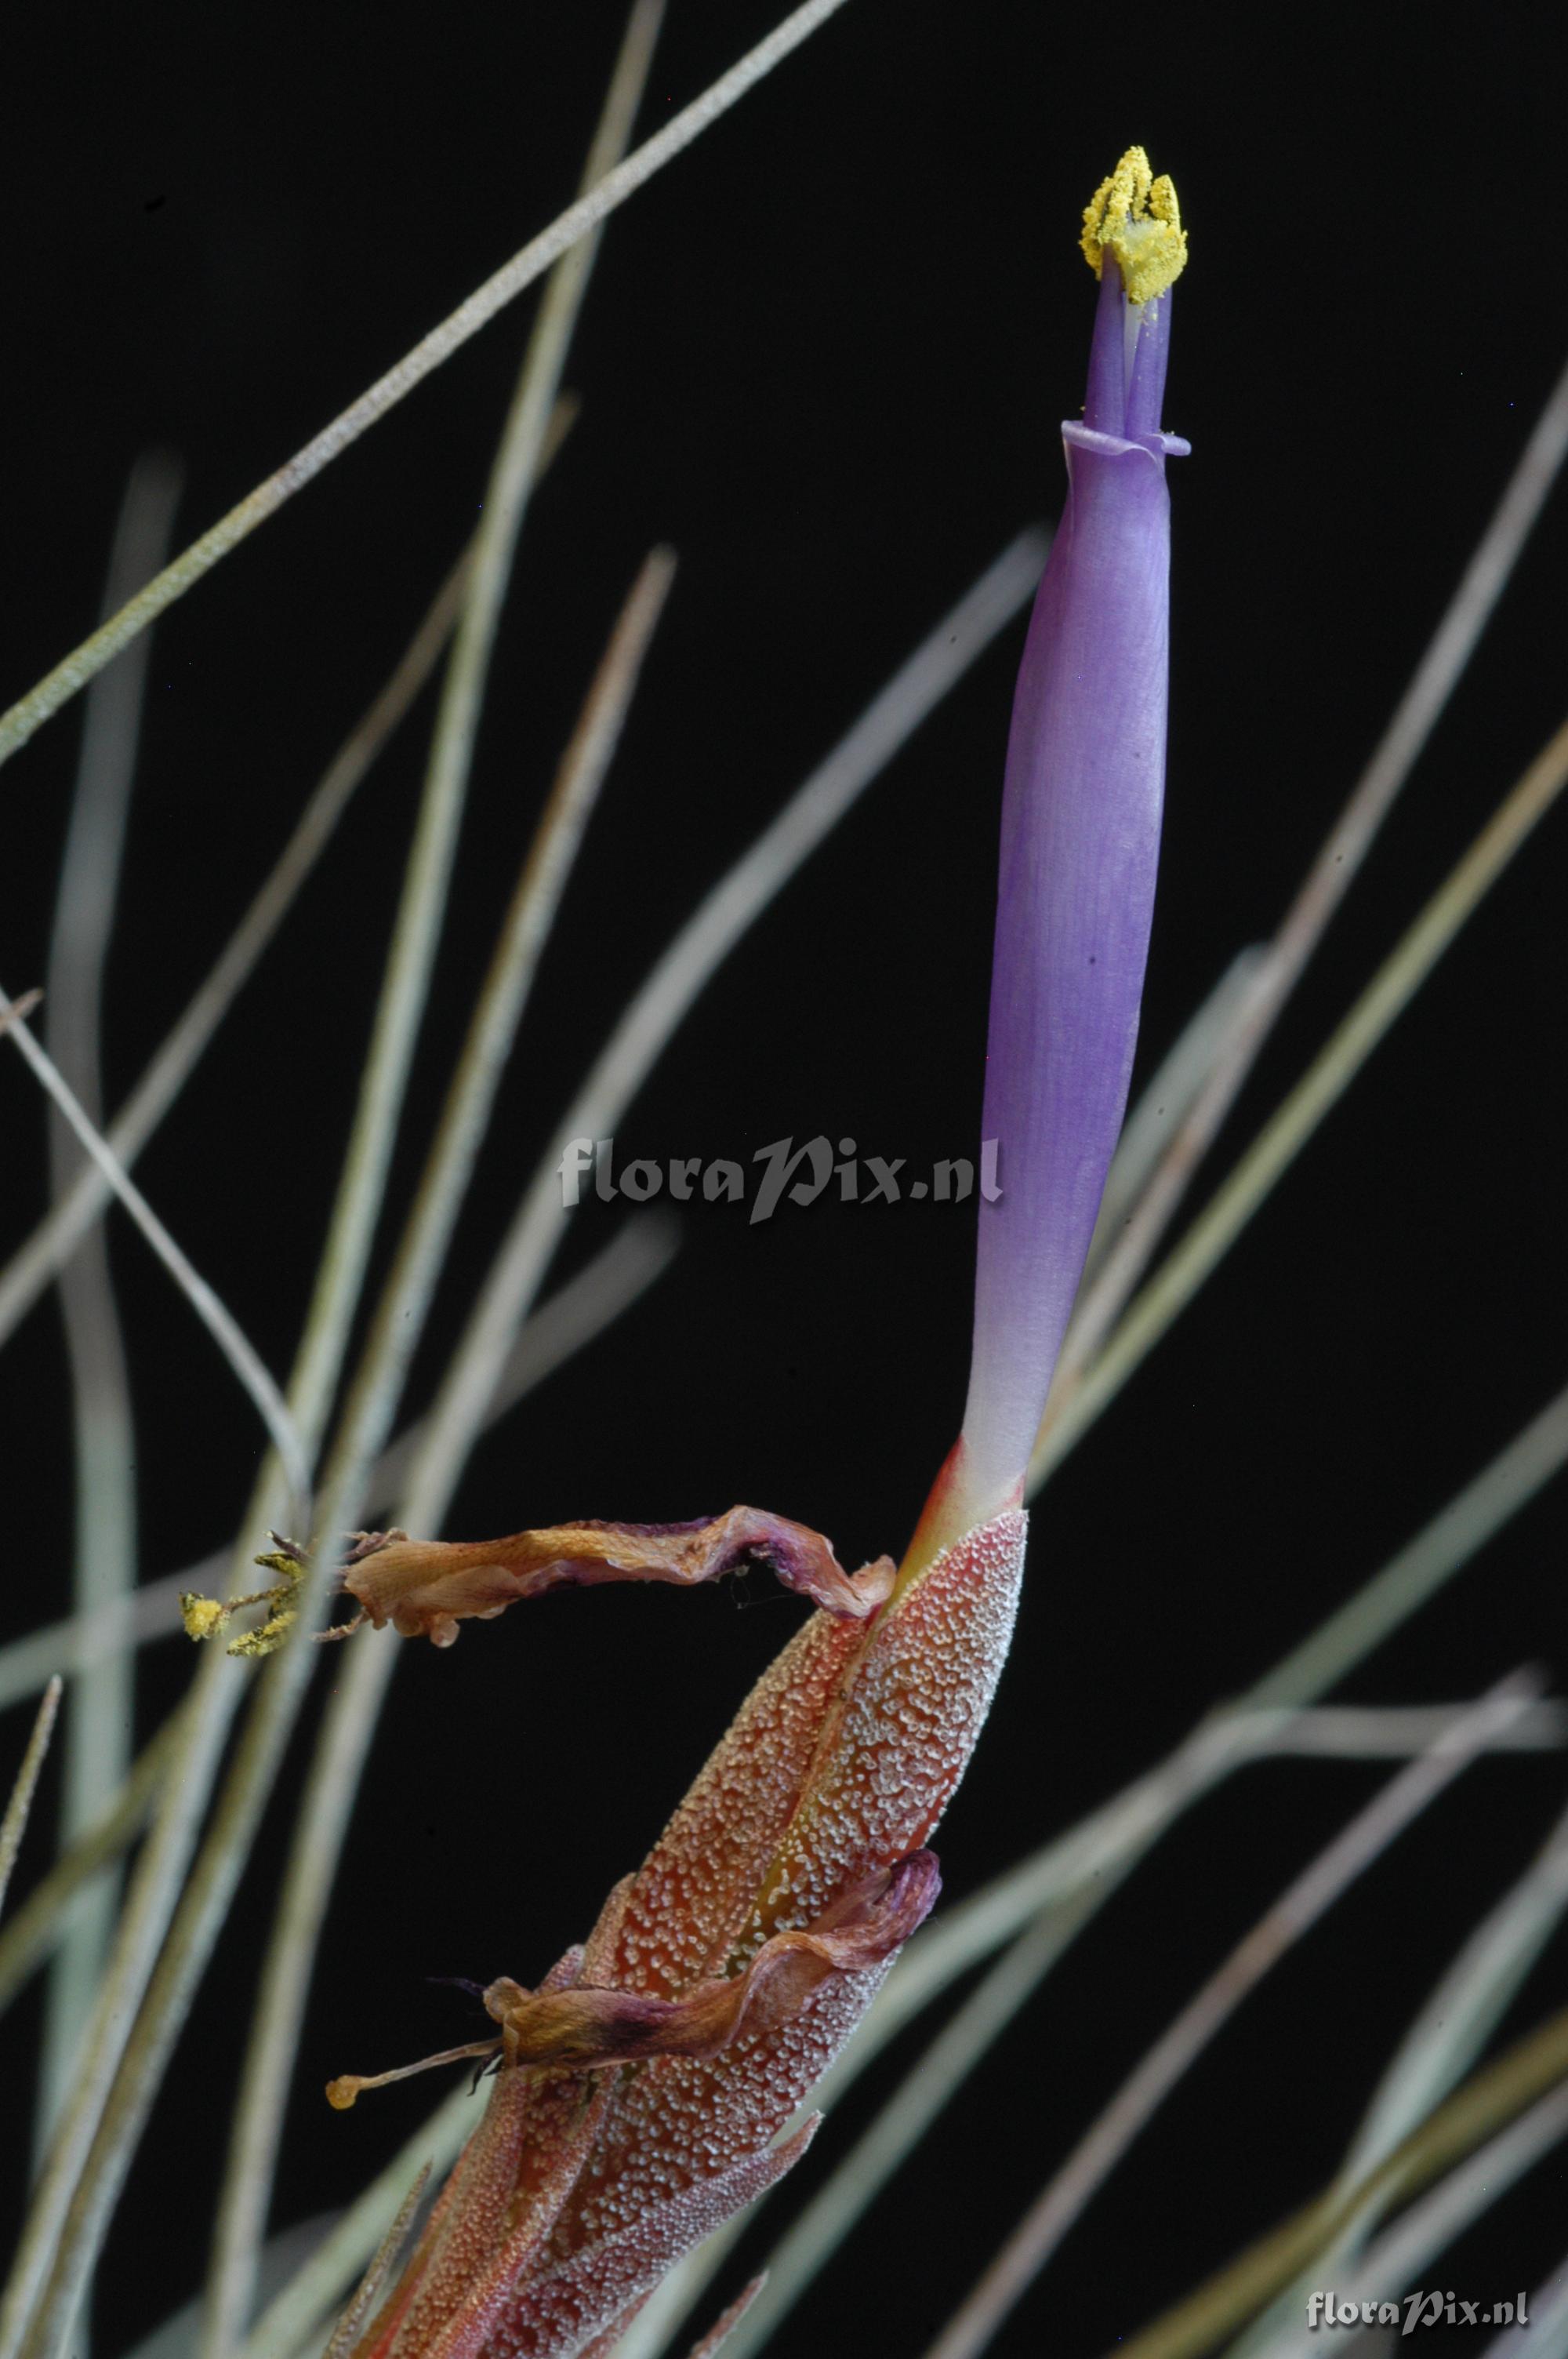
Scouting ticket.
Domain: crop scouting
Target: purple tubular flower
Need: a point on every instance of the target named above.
(1080, 837)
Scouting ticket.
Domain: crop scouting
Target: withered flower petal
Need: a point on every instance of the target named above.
(424, 1588)
(586, 2028)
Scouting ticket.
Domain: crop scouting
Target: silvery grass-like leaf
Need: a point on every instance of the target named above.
(97, 1747)
(236, 1347)
(20, 1803)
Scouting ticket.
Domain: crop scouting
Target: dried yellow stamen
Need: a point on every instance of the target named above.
(205, 1616)
(1136, 219)
(268, 1637)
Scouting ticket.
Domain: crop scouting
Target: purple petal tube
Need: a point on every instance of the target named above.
(1080, 840)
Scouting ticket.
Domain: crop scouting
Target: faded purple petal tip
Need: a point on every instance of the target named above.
(1080, 837)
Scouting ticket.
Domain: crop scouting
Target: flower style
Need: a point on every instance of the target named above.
(640, 2087)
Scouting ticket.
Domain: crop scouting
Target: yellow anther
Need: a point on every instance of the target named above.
(204, 1617)
(1135, 218)
(201, 1616)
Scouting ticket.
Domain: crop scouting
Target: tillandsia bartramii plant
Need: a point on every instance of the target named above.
(661, 2078)
(642, 2086)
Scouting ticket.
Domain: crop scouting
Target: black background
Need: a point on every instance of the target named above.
(825, 356)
